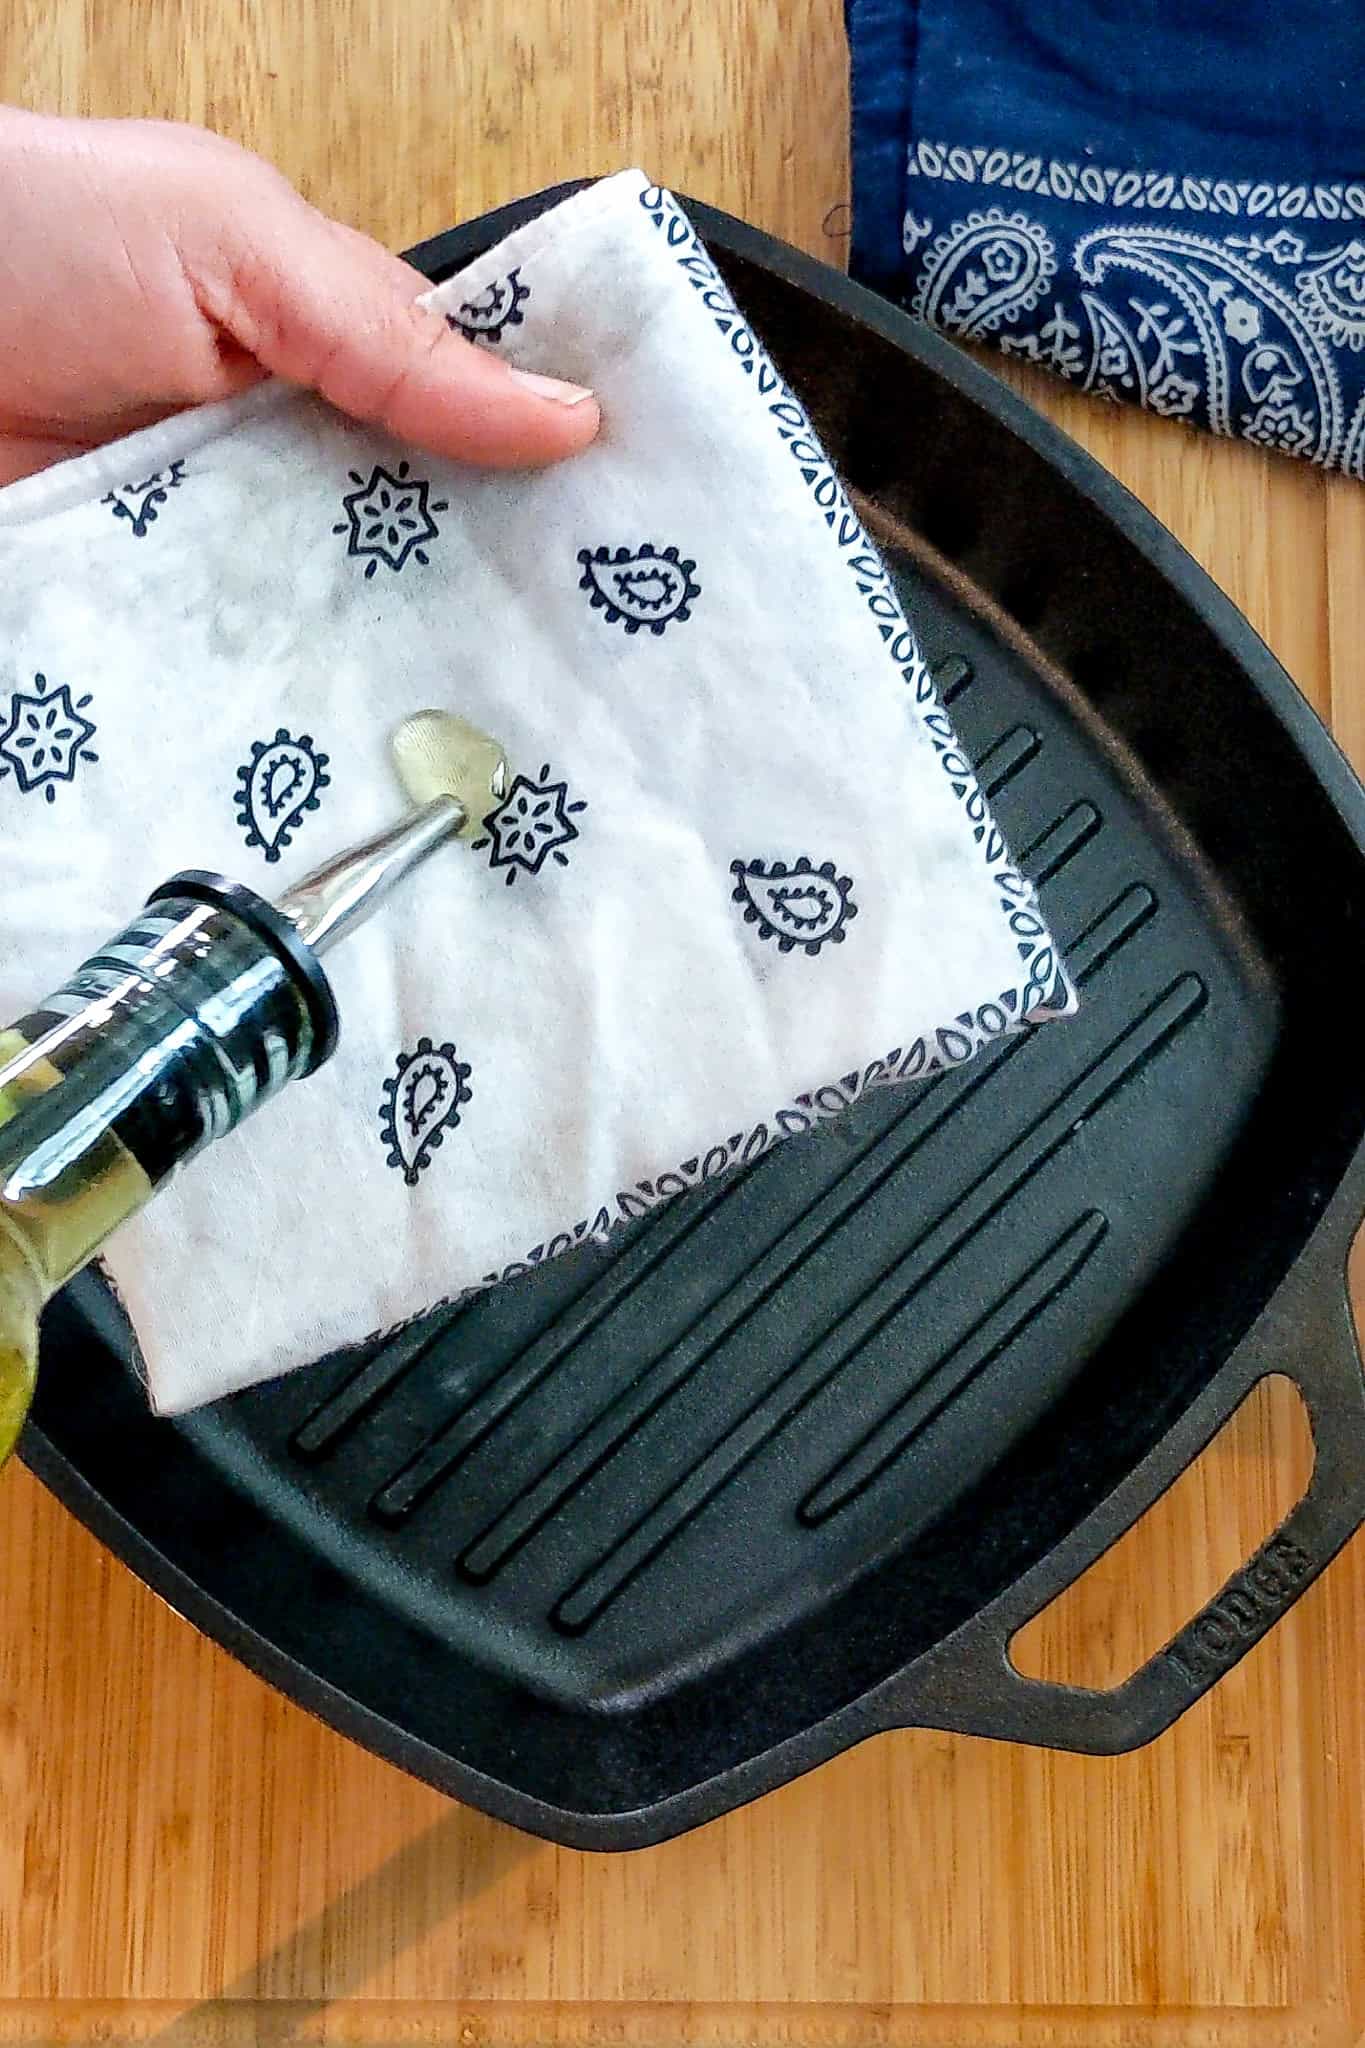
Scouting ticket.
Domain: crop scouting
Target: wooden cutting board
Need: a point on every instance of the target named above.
(186, 1859)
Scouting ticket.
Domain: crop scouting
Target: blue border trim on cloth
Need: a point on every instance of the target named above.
(1045, 991)
(882, 37)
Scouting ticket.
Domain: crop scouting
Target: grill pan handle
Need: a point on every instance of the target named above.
(968, 1684)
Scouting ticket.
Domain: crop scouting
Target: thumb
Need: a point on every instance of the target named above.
(316, 303)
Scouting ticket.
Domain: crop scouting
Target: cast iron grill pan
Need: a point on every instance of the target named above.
(623, 1544)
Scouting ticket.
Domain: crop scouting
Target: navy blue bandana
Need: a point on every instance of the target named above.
(1166, 212)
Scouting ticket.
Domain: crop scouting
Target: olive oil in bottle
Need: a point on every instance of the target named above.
(47, 1236)
(163, 1041)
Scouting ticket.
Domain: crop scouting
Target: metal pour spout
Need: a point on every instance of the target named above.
(452, 772)
(341, 894)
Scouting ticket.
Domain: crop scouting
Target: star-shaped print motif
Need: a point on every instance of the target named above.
(46, 738)
(389, 519)
(533, 823)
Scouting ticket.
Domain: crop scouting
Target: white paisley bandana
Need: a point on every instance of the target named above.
(741, 875)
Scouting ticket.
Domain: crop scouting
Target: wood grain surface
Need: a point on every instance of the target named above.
(186, 1859)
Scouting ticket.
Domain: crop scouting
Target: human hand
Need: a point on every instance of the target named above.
(145, 267)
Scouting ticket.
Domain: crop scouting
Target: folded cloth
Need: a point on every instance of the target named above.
(742, 873)
(1162, 204)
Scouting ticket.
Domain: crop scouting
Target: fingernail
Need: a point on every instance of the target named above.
(552, 387)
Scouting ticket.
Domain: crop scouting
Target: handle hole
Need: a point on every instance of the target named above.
(1171, 1563)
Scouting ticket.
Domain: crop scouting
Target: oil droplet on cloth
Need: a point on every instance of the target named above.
(437, 754)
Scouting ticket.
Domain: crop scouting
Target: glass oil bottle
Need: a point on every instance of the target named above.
(192, 1017)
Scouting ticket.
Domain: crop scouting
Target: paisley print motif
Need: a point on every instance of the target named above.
(420, 1106)
(1244, 332)
(276, 789)
(1331, 295)
(636, 587)
(489, 314)
(798, 905)
(987, 269)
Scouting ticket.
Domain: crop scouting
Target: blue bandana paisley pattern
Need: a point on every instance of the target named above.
(1230, 303)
